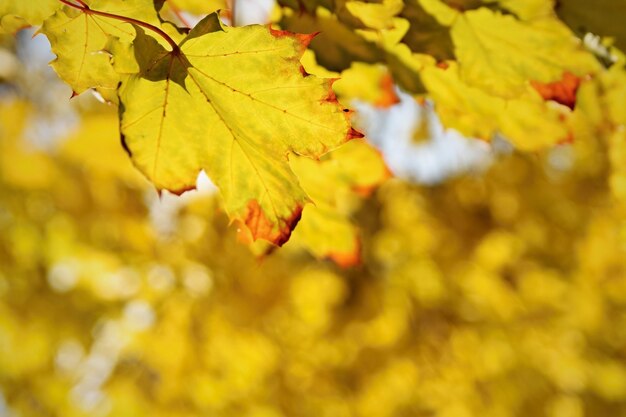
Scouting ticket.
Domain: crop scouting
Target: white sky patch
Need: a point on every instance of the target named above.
(444, 153)
(63, 276)
(139, 315)
(197, 279)
(54, 117)
(248, 12)
(123, 283)
(161, 278)
(164, 209)
(4, 409)
(251, 12)
(69, 356)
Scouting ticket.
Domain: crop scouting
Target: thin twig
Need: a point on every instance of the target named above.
(233, 12)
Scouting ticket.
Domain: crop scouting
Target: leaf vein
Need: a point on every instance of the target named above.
(235, 139)
(163, 115)
(284, 111)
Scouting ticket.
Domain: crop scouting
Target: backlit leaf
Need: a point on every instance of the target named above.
(80, 40)
(502, 62)
(528, 121)
(235, 103)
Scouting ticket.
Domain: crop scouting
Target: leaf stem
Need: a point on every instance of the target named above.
(85, 9)
(233, 13)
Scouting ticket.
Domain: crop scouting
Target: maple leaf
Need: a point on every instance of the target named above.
(527, 121)
(82, 42)
(502, 62)
(501, 77)
(234, 102)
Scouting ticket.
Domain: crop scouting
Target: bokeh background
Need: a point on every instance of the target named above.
(492, 283)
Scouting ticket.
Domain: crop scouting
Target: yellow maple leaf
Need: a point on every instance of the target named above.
(502, 62)
(83, 39)
(528, 121)
(251, 107)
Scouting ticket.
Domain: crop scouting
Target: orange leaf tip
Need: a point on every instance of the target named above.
(303, 38)
(347, 259)
(388, 95)
(562, 91)
(263, 228)
(354, 134)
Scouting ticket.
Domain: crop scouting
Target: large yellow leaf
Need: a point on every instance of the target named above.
(79, 41)
(503, 61)
(234, 102)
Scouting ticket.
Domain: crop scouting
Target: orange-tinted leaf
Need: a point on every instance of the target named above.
(562, 91)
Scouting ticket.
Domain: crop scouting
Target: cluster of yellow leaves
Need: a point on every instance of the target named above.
(230, 101)
(483, 63)
(492, 67)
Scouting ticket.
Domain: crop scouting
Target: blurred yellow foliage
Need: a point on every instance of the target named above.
(493, 294)
(500, 294)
